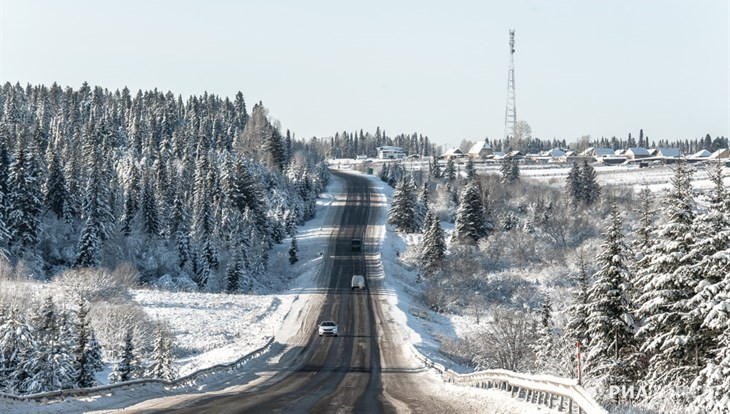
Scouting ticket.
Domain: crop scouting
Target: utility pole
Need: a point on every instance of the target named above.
(510, 116)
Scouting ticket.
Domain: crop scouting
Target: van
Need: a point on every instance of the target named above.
(358, 282)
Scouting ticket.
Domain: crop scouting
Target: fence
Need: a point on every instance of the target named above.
(553, 392)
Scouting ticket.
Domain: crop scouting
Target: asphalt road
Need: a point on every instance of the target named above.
(367, 368)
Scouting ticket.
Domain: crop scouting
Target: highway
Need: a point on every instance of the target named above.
(367, 368)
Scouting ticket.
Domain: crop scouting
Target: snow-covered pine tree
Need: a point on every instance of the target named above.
(56, 193)
(48, 367)
(150, 214)
(293, 249)
(179, 230)
(515, 173)
(436, 170)
(671, 362)
(450, 170)
(131, 198)
(161, 366)
(85, 356)
(610, 360)
(422, 207)
(708, 311)
(201, 269)
(544, 346)
(576, 329)
(403, 209)
(89, 244)
(470, 225)
(202, 225)
(433, 249)
(128, 367)
(573, 184)
(17, 343)
(24, 201)
(711, 388)
(591, 190)
(164, 194)
(508, 171)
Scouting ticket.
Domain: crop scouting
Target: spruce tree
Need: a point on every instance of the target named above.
(470, 223)
(611, 354)
(56, 194)
(150, 214)
(17, 343)
(161, 366)
(450, 170)
(509, 169)
(577, 328)
(573, 185)
(86, 353)
(545, 344)
(433, 249)
(24, 201)
(591, 190)
(404, 208)
(664, 290)
(293, 249)
(89, 245)
(131, 199)
(128, 367)
(436, 171)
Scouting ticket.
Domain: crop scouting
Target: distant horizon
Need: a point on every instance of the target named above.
(598, 69)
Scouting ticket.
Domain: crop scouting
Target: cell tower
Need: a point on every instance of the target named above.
(510, 115)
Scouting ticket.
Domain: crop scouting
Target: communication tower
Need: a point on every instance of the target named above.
(510, 116)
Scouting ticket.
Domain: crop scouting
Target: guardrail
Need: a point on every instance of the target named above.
(554, 392)
(176, 383)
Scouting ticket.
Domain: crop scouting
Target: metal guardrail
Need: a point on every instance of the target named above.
(554, 392)
(176, 383)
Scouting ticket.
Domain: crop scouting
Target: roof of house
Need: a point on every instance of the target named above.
(721, 153)
(555, 152)
(478, 147)
(701, 154)
(638, 151)
(668, 152)
(453, 151)
(604, 152)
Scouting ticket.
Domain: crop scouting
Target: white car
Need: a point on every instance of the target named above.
(358, 282)
(328, 328)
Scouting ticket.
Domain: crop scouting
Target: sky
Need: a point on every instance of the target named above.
(439, 68)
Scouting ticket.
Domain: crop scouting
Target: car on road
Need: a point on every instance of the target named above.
(356, 245)
(358, 282)
(328, 328)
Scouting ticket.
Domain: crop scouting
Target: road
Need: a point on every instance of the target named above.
(367, 368)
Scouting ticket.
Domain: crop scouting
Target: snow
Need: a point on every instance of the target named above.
(213, 329)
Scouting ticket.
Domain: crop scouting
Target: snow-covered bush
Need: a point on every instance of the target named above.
(98, 283)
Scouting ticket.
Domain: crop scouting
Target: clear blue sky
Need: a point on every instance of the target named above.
(439, 68)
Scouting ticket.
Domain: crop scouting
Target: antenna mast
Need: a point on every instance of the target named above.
(510, 116)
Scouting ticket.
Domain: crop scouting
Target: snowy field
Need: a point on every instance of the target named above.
(213, 329)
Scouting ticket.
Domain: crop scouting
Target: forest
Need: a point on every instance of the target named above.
(640, 281)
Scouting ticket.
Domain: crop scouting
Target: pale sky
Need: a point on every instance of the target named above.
(439, 68)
